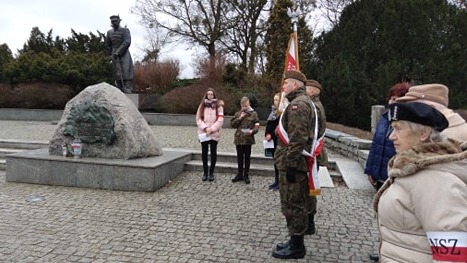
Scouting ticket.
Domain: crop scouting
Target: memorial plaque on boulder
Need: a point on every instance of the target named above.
(108, 124)
(90, 123)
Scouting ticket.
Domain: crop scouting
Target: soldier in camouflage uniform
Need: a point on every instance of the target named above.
(297, 121)
(313, 89)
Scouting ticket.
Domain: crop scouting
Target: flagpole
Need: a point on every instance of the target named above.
(294, 18)
(288, 65)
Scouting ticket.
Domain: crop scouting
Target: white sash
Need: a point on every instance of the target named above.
(315, 187)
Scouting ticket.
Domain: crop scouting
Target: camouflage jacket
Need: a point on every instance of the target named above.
(298, 120)
(323, 157)
(250, 121)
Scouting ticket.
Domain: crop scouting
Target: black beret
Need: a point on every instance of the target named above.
(114, 17)
(418, 112)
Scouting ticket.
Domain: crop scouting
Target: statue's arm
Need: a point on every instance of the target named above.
(108, 43)
(126, 42)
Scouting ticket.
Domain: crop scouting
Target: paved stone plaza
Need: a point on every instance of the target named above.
(185, 221)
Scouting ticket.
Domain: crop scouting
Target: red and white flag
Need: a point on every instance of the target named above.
(291, 63)
(291, 60)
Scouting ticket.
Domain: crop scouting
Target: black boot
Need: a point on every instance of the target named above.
(294, 248)
(238, 177)
(205, 177)
(311, 225)
(280, 246)
(211, 176)
(247, 179)
(374, 257)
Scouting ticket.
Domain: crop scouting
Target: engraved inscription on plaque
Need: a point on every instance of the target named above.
(90, 123)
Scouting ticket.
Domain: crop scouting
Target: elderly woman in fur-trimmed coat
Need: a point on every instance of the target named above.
(422, 207)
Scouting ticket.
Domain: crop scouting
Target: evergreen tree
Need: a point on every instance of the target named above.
(79, 61)
(305, 48)
(5, 57)
(38, 42)
(278, 30)
(378, 43)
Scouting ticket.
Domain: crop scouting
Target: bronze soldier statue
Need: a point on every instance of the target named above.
(117, 41)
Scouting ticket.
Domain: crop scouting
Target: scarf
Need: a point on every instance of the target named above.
(210, 103)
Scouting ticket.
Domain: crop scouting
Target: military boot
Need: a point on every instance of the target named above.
(294, 248)
(311, 230)
(282, 245)
(128, 87)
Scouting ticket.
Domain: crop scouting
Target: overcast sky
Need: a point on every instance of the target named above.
(18, 17)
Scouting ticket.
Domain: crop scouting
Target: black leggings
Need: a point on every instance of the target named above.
(243, 154)
(276, 171)
(204, 155)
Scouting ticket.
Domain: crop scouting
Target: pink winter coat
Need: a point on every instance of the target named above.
(211, 120)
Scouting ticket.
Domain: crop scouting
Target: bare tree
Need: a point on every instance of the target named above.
(155, 41)
(332, 9)
(234, 27)
(199, 22)
(246, 18)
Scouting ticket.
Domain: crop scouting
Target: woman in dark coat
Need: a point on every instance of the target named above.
(270, 134)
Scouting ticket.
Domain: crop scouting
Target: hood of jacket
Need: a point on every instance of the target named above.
(428, 154)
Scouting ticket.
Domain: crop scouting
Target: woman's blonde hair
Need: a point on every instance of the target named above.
(244, 99)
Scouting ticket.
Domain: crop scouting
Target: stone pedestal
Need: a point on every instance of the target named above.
(376, 112)
(142, 174)
(134, 98)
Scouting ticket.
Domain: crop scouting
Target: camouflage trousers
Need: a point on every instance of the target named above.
(296, 203)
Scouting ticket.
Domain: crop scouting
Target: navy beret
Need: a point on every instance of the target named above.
(418, 112)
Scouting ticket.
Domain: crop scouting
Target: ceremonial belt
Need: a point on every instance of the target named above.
(317, 147)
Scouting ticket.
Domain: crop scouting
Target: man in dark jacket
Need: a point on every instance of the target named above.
(295, 132)
(117, 41)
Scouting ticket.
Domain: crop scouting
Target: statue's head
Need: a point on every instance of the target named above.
(115, 21)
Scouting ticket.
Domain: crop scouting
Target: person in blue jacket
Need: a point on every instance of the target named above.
(382, 149)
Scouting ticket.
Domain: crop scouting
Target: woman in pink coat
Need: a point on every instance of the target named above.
(209, 119)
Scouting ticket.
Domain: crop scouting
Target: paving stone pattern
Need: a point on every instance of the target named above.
(185, 221)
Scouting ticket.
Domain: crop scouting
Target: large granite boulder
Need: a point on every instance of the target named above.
(108, 125)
